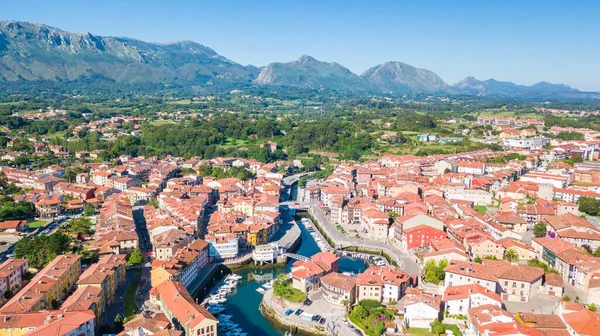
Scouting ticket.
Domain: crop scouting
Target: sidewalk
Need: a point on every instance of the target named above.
(406, 262)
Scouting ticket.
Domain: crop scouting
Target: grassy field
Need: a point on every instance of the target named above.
(420, 331)
(161, 122)
(36, 224)
(129, 297)
(234, 143)
(295, 296)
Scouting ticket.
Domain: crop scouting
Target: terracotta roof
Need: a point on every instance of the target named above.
(181, 304)
(471, 269)
(64, 325)
(512, 271)
(465, 291)
(554, 279)
(338, 280)
(584, 322)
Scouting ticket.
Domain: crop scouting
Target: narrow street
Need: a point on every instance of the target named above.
(146, 247)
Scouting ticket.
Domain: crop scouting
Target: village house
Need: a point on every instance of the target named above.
(517, 282)
(420, 308)
(338, 289)
(175, 301)
(459, 299)
(382, 284)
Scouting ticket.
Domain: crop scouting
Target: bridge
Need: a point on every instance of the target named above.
(297, 205)
(296, 256)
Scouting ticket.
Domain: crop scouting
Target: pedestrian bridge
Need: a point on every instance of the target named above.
(296, 256)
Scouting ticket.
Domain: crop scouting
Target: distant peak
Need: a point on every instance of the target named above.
(395, 63)
(306, 58)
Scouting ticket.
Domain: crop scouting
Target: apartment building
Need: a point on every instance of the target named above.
(50, 284)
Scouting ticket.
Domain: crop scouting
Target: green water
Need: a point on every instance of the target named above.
(244, 301)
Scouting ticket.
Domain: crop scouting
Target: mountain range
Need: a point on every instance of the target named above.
(32, 52)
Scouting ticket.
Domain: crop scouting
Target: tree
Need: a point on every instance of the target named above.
(439, 329)
(80, 225)
(135, 258)
(393, 215)
(153, 202)
(431, 277)
(345, 303)
(434, 273)
(3, 181)
(447, 170)
(511, 255)
(592, 307)
(119, 321)
(89, 210)
(70, 175)
(360, 312)
(540, 229)
(589, 205)
(9, 294)
(478, 260)
(83, 132)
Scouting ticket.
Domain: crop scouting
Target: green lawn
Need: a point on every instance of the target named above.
(295, 295)
(420, 331)
(129, 297)
(161, 122)
(36, 224)
(231, 142)
(482, 209)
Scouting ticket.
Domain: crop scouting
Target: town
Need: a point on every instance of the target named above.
(299, 168)
(474, 243)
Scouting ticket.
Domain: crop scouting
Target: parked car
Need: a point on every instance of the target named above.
(307, 302)
(323, 320)
(316, 318)
(298, 312)
(288, 312)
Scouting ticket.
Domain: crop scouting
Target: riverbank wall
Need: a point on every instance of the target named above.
(293, 239)
(353, 244)
(292, 324)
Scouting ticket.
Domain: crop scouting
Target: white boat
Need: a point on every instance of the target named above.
(260, 290)
(216, 299)
(235, 276)
(268, 285)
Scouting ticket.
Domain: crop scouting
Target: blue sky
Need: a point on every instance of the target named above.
(520, 41)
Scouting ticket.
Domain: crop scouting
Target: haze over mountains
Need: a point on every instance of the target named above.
(34, 52)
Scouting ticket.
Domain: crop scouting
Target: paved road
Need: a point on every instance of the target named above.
(288, 182)
(407, 262)
(333, 315)
(145, 247)
(117, 307)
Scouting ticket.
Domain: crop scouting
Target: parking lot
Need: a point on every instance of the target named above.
(331, 317)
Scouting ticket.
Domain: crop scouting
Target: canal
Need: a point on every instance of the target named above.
(243, 303)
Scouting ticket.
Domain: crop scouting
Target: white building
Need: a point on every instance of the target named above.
(526, 143)
(223, 247)
(459, 299)
(265, 253)
(420, 309)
